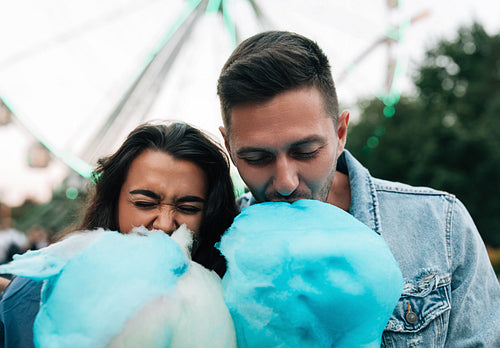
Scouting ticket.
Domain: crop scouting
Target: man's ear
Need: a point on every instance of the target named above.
(342, 124)
(222, 131)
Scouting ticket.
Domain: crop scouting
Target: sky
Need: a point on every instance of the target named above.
(65, 64)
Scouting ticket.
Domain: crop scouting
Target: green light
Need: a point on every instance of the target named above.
(393, 33)
(190, 7)
(351, 67)
(366, 150)
(72, 161)
(372, 142)
(71, 193)
(213, 6)
(389, 111)
(391, 99)
(7, 105)
(94, 177)
(379, 131)
(238, 184)
(230, 26)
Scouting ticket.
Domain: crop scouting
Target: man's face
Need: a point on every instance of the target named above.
(287, 148)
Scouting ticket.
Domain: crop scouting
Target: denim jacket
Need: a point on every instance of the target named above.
(451, 296)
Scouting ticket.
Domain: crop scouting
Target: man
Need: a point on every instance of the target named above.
(284, 133)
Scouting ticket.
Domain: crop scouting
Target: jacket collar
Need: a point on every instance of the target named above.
(364, 201)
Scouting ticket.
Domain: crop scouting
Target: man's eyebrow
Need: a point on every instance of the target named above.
(308, 141)
(146, 193)
(249, 149)
(305, 141)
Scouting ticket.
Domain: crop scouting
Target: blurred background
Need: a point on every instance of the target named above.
(421, 78)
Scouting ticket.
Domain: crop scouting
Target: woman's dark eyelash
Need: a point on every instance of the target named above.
(144, 204)
(189, 209)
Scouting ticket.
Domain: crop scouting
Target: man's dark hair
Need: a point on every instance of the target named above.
(271, 63)
(181, 141)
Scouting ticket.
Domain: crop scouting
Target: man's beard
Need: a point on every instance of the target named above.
(321, 195)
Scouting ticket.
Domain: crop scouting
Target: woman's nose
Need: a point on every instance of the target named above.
(165, 220)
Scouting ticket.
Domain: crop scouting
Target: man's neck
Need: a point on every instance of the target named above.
(340, 192)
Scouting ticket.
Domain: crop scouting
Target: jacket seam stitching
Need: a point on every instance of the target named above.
(449, 224)
(373, 191)
(413, 192)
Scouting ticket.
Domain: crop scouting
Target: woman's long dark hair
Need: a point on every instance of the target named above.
(181, 141)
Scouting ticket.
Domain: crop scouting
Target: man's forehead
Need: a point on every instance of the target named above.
(251, 145)
(276, 140)
(306, 100)
(289, 118)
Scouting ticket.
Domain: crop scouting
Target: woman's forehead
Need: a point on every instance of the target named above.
(160, 172)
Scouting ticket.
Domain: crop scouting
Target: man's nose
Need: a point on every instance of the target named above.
(286, 179)
(165, 220)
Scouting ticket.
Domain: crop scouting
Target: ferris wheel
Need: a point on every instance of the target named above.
(124, 57)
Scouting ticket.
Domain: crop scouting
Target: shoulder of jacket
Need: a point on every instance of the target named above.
(401, 188)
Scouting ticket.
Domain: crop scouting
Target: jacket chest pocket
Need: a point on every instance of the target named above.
(421, 316)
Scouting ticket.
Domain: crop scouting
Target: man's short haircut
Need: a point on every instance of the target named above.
(271, 63)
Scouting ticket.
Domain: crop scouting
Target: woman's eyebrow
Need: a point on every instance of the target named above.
(190, 199)
(146, 193)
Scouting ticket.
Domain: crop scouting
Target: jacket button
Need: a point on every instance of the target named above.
(410, 316)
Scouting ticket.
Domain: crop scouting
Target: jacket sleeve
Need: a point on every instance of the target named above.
(475, 289)
(18, 308)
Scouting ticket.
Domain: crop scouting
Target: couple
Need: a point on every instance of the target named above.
(285, 134)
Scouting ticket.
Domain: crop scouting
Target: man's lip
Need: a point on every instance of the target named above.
(285, 200)
(274, 197)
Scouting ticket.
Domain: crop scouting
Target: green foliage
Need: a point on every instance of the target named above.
(54, 216)
(448, 136)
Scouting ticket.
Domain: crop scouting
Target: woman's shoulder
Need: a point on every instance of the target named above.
(19, 288)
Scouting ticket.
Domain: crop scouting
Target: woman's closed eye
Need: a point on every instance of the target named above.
(189, 209)
(145, 204)
(144, 199)
(190, 205)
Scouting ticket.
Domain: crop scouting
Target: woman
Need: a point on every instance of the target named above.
(205, 202)
(161, 177)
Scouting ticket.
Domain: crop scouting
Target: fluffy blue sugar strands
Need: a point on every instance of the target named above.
(307, 274)
(90, 293)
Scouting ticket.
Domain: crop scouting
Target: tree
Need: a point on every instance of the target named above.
(54, 216)
(448, 135)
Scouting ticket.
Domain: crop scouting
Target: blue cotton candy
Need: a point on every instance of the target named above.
(307, 274)
(115, 257)
(47, 262)
(104, 288)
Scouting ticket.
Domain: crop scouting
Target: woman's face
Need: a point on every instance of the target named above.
(161, 192)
